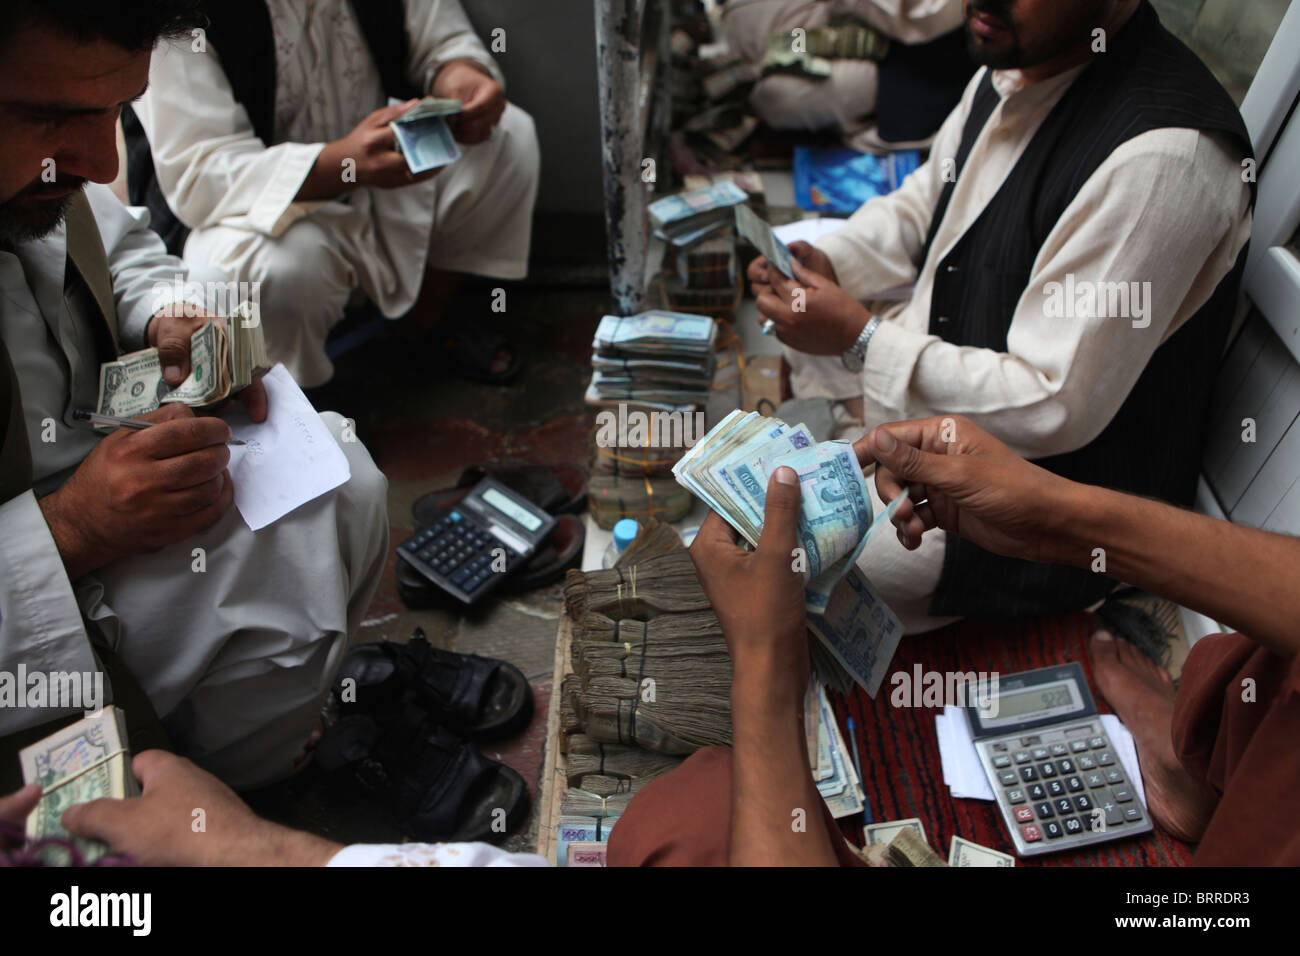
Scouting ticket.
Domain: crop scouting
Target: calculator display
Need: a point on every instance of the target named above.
(521, 516)
(1038, 701)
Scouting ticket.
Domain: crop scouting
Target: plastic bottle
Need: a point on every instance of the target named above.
(624, 532)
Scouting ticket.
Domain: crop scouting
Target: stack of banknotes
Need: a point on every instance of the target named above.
(82, 762)
(223, 360)
(687, 218)
(659, 359)
(729, 470)
(833, 771)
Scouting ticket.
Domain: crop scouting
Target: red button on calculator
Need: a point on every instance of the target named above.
(1024, 814)
(1031, 833)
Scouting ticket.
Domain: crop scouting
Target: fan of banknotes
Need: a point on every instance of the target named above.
(223, 359)
(84, 761)
(729, 470)
(659, 359)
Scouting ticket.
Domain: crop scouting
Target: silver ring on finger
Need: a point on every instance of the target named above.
(769, 327)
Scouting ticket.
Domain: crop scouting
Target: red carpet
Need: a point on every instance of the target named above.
(900, 750)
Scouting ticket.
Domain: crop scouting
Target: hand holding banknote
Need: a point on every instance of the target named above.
(482, 97)
(809, 256)
(757, 595)
(156, 829)
(812, 313)
(370, 152)
(171, 332)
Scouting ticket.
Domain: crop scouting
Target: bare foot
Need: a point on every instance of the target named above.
(1141, 693)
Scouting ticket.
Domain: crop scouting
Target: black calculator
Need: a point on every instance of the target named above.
(1058, 782)
(471, 549)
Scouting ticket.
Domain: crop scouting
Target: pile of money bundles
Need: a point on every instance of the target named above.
(611, 498)
(686, 218)
(661, 360)
(224, 359)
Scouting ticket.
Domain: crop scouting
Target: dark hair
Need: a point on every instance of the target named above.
(134, 25)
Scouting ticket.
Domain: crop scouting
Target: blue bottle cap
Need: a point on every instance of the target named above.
(625, 532)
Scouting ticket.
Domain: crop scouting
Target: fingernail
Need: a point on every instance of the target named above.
(885, 442)
(1103, 636)
(172, 371)
(786, 476)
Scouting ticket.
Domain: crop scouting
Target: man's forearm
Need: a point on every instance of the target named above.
(776, 811)
(1239, 576)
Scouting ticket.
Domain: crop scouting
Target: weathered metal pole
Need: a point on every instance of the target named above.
(618, 62)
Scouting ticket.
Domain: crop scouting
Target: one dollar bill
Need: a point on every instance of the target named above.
(965, 853)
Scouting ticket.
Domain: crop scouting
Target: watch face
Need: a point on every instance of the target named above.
(852, 359)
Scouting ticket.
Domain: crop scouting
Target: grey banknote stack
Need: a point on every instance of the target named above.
(224, 358)
(687, 218)
(423, 136)
(658, 359)
(729, 470)
(82, 762)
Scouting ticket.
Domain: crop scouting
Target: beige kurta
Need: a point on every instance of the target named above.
(309, 258)
(1169, 208)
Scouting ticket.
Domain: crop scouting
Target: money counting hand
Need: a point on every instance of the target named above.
(476, 545)
(1056, 778)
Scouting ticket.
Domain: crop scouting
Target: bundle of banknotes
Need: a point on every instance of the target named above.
(224, 358)
(84, 761)
(729, 470)
(686, 218)
(423, 136)
(659, 359)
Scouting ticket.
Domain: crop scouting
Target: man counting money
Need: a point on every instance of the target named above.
(98, 535)
(271, 140)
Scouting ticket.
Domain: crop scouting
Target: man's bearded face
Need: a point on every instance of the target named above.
(60, 99)
(37, 209)
(1014, 34)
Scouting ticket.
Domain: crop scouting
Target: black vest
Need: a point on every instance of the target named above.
(1152, 447)
(240, 33)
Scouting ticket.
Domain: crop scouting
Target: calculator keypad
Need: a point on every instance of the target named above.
(1066, 790)
(459, 552)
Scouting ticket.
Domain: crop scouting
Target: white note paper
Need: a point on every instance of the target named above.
(289, 459)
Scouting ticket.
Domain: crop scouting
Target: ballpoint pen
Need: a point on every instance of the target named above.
(95, 418)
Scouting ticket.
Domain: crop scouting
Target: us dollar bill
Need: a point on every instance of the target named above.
(84, 761)
(965, 853)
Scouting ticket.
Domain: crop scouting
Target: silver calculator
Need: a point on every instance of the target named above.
(1056, 779)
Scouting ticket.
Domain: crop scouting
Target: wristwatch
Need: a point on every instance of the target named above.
(854, 357)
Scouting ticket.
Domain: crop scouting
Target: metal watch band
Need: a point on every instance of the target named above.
(854, 357)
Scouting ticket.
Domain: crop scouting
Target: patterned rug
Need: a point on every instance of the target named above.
(900, 749)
